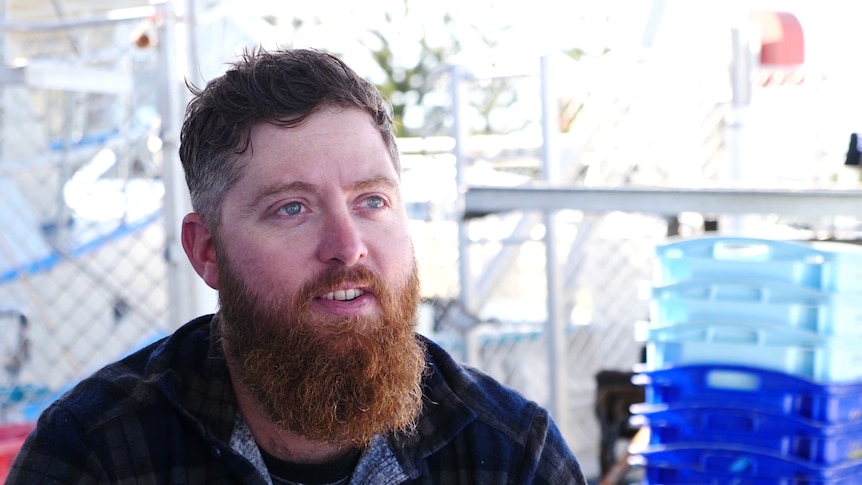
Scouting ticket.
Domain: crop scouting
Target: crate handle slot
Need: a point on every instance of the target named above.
(737, 421)
(732, 379)
(735, 333)
(740, 251)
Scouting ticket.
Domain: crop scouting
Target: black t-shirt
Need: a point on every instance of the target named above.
(332, 473)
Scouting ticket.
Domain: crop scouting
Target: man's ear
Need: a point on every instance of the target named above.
(200, 248)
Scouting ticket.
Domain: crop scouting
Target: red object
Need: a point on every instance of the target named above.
(12, 436)
(782, 42)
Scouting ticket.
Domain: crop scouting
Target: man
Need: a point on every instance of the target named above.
(310, 372)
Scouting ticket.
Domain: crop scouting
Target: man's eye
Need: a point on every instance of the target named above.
(375, 203)
(291, 208)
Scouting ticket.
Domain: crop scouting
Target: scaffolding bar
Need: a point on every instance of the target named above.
(481, 201)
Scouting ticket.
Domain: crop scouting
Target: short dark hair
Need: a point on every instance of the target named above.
(283, 87)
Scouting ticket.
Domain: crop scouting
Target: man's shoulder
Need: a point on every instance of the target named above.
(491, 401)
(163, 408)
(133, 382)
(472, 418)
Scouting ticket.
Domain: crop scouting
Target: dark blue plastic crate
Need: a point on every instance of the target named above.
(743, 387)
(655, 475)
(797, 438)
(700, 464)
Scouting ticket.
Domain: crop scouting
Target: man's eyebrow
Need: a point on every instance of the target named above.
(376, 182)
(281, 188)
(305, 187)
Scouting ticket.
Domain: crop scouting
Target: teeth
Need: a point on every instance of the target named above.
(343, 295)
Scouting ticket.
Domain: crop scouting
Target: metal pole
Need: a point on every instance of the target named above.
(557, 322)
(4, 12)
(183, 296)
(190, 19)
(481, 201)
(459, 134)
(741, 88)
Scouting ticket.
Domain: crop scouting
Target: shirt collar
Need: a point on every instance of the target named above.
(195, 378)
(444, 413)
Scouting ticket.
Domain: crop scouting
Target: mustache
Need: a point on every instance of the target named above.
(336, 277)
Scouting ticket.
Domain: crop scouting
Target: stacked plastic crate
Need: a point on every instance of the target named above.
(754, 364)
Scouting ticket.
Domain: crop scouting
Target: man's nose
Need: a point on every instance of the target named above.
(342, 240)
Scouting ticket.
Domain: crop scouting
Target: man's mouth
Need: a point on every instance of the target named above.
(344, 295)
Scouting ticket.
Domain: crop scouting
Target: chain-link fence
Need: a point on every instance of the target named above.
(82, 265)
(508, 338)
(87, 273)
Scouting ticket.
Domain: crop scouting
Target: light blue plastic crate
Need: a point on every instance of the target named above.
(830, 267)
(770, 302)
(775, 347)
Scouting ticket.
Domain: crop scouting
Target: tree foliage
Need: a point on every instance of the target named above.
(409, 75)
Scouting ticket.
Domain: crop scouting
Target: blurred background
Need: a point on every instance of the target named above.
(564, 110)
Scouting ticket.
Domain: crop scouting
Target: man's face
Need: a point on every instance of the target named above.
(317, 281)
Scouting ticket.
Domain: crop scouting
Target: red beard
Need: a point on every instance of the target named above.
(334, 380)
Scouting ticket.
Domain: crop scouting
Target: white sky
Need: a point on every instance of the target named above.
(535, 27)
(690, 31)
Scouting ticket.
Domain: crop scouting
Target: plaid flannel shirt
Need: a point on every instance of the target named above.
(166, 414)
